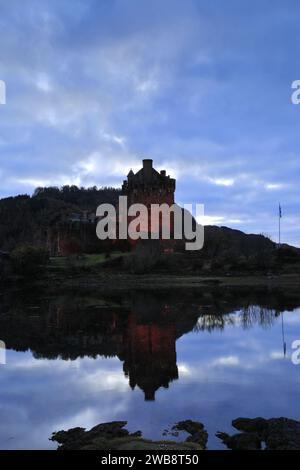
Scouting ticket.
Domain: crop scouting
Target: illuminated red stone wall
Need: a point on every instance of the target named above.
(149, 187)
(150, 356)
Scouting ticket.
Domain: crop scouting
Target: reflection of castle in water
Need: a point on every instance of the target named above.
(150, 355)
(141, 330)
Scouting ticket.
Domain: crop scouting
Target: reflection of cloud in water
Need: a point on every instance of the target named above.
(292, 318)
(184, 369)
(105, 380)
(70, 396)
(215, 372)
(275, 355)
(227, 361)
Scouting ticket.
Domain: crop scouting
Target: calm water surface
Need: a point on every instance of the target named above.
(149, 358)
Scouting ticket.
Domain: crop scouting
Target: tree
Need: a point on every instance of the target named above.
(29, 260)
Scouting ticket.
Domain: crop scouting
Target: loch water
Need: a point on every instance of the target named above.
(150, 358)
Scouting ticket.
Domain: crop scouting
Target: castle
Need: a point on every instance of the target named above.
(76, 232)
(148, 186)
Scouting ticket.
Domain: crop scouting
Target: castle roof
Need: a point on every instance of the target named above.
(147, 175)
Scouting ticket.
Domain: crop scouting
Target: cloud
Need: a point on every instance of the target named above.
(202, 89)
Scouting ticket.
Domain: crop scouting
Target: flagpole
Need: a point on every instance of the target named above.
(279, 226)
(283, 339)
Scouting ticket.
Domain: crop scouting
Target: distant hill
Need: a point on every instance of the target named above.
(220, 240)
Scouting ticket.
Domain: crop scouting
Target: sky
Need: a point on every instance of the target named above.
(203, 87)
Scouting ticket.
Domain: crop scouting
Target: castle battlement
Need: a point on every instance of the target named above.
(149, 186)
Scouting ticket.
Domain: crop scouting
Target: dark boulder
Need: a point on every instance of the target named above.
(243, 441)
(197, 432)
(275, 433)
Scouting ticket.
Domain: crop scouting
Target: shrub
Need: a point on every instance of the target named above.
(29, 260)
(144, 258)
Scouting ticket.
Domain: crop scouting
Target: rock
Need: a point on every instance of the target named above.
(283, 434)
(243, 441)
(189, 426)
(113, 436)
(78, 437)
(276, 433)
(196, 430)
(136, 434)
(110, 430)
(63, 437)
(199, 438)
(250, 425)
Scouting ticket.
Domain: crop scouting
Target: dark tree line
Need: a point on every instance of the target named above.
(86, 198)
(25, 219)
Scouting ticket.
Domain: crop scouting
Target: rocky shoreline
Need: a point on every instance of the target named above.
(255, 434)
(260, 433)
(113, 436)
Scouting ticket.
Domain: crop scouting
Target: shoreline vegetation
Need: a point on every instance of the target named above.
(114, 270)
(114, 281)
(123, 282)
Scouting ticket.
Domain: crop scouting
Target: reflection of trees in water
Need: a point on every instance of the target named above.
(247, 317)
(210, 322)
(256, 315)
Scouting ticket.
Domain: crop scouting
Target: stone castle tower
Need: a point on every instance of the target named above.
(148, 186)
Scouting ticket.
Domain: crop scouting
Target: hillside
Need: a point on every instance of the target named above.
(25, 219)
(30, 219)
